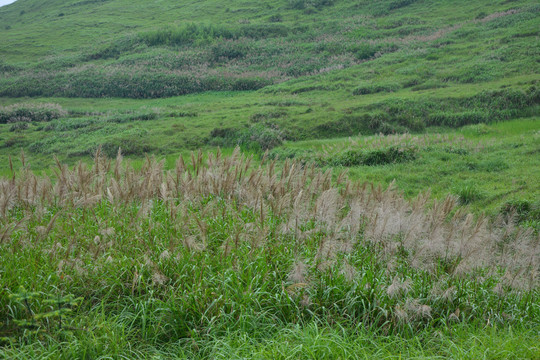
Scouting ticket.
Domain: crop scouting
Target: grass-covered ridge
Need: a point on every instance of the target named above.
(173, 48)
(380, 68)
(223, 248)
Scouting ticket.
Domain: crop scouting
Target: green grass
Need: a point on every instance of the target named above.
(449, 65)
(320, 341)
(238, 46)
(205, 262)
(440, 96)
(489, 164)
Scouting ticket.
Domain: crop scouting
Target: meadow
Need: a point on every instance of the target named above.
(285, 179)
(224, 257)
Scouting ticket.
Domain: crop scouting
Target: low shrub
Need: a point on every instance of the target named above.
(134, 143)
(200, 34)
(5, 67)
(458, 119)
(97, 82)
(261, 137)
(257, 137)
(18, 126)
(15, 141)
(396, 115)
(263, 31)
(428, 85)
(30, 112)
(479, 129)
(281, 153)
(277, 18)
(230, 49)
(112, 50)
(125, 118)
(374, 157)
(493, 165)
(263, 116)
(474, 74)
(365, 51)
(376, 88)
(182, 114)
(396, 4)
(304, 4)
(186, 35)
(468, 194)
(524, 210)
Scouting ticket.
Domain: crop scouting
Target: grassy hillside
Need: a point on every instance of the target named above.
(339, 68)
(142, 49)
(367, 185)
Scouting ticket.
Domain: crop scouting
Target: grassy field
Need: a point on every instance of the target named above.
(298, 179)
(220, 258)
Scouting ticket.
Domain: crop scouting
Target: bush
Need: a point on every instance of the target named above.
(135, 143)
(376, 88)
(288, 153)
(186, 35)
(261, 137)
(96, 82)
(381, 8)
(14, 141)
(375, 157)
(365, 51)
(525, 210)
(396, 4)
(468, 194)
(493, 165)
(18, 126)
(263, 31)
(125, 118)
(30, 112)
(397, 115)
(5, 67)
(277, 18)
(113, 50)
(458, 119)
(303, 4)
(263, 116)
(473, 74)
(230, 49)
(346, 126)
(257, 137)
(206, 34)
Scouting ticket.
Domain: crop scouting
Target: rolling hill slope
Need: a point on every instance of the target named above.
(143, 49)
(366, 184)
(272, 72)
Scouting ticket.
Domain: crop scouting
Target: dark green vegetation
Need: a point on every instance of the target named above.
(223, 260)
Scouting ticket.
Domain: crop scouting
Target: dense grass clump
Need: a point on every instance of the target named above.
(181, 258)
(397, 115)
(201, 34)
(257, 137)
(373, 89)
(374, 157)
(30, 113)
